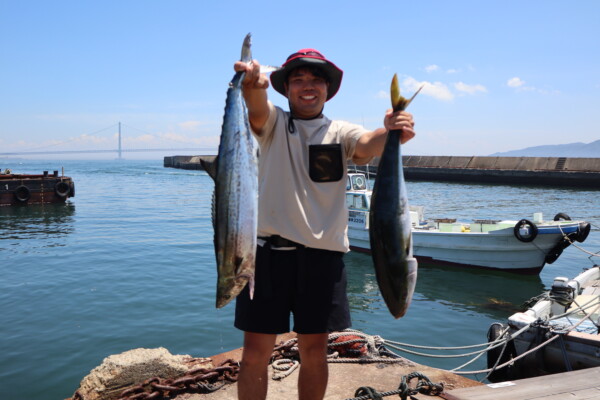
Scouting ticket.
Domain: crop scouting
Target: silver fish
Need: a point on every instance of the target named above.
(235, 198)
(389, 222)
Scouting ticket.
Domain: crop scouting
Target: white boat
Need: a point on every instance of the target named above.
(559, 333)
(523, 246)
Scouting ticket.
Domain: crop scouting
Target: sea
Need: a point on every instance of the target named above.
(129, 263)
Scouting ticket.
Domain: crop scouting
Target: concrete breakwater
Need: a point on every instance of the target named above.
(546, 171)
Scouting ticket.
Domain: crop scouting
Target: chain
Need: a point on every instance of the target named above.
(404, 391)
(199, 380)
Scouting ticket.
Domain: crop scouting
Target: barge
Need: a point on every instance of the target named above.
(22, 189)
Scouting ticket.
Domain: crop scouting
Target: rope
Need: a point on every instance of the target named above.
(565, 236)
(556, 336)
(424, 385)
(285, 358)
(501, 341)
(378, 353)
(489, 346)
(283, 371)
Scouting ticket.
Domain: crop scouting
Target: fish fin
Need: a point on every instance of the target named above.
(408, 248)
(414, 95)
(265, 69)
(251, 287)
(238, 262)
(210, 167)
(248, 277)
(395, 92)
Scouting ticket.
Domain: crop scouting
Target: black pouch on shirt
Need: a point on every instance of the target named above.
(325, 162)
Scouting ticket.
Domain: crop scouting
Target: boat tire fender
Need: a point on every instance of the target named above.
(510, 352)
(62, 189)
(553, 254)
(583, 231)
(22, 194)
(360, 182)
(562, 216)
(532, 229)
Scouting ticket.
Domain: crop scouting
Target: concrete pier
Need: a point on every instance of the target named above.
(544, 171)
(185, 162)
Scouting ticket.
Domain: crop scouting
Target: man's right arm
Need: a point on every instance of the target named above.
(254, 88)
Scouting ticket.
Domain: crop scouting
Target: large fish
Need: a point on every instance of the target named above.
(235, 199)
(389, 222)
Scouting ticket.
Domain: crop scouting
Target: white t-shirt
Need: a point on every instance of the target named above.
(291, 204)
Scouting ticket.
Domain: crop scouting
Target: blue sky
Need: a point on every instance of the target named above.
(498, 75)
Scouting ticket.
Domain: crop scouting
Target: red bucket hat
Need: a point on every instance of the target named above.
(308, 57)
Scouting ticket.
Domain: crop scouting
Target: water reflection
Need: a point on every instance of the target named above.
(36, 221)
(363, 292)
(490, 293)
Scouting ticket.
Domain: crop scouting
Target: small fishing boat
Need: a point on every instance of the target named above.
(522, 246)
(21, 189)
(558, 333)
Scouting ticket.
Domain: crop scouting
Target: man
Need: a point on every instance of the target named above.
(302, 217)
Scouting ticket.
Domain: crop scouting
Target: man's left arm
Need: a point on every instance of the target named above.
(371, 143)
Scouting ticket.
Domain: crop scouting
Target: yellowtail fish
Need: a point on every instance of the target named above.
(389, 222)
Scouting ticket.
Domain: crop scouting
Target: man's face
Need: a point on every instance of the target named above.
(306, 93)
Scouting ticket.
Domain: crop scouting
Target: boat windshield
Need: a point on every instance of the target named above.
(356, 182)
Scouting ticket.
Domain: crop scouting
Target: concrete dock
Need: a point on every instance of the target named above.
(344, 380)
(541, 171)
(121, 376)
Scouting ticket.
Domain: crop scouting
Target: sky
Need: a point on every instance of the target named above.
(497, 75)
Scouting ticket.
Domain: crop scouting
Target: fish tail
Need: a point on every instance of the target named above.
(251, 287)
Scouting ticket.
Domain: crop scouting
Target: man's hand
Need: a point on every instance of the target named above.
(253, 79)
(400, 120)
(254, 89)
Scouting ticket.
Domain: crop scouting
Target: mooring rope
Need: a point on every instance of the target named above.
(424, 385)
(377, 352)
(533, 350)
(565, 236)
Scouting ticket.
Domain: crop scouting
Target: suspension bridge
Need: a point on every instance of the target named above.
(119, 150)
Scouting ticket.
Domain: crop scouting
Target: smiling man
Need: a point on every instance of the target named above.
(302, 217)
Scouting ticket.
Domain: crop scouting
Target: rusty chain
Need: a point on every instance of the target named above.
(198, 380)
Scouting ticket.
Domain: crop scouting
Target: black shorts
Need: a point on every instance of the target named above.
(309, 283)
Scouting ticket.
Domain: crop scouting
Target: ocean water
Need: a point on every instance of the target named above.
(129, 263)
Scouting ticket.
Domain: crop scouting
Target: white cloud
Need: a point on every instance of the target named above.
(190, 125)
(382, 94)
(515, 82)
(519, 86)
(432, 68)
(437, 90)
(470, 89)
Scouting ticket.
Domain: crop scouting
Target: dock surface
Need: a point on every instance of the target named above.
(573, 385)
(344, 379)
